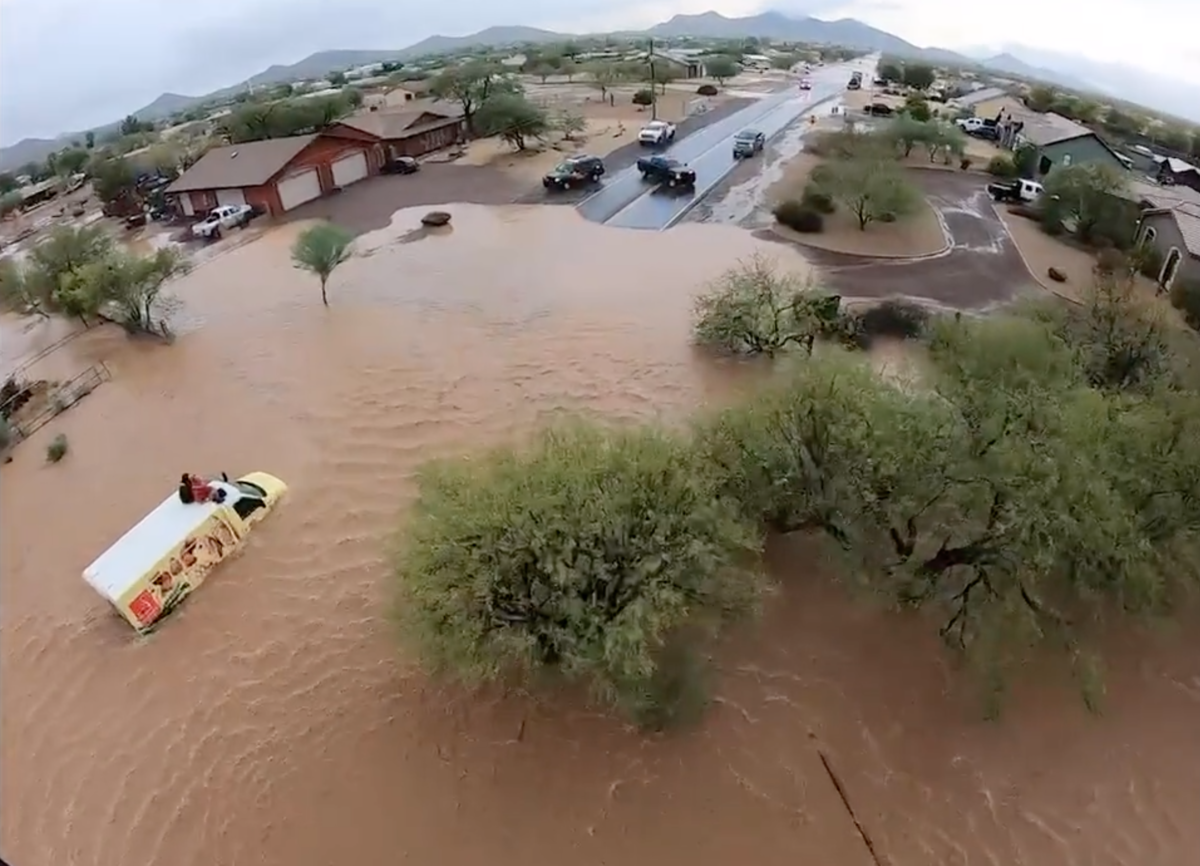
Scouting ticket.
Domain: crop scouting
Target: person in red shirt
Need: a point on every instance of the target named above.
(194, 489)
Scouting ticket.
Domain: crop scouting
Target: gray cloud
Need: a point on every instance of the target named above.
(75, 64)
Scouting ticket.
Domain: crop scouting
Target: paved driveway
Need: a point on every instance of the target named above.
(982, 268)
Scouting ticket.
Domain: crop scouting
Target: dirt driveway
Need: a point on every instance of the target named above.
(369, 205)
(981, 269)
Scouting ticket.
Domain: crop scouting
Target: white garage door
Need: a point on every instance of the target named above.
(230, 196)
(350, 168)
(299, 188)
(185, 201)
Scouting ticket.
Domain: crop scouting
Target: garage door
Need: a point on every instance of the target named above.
(185, 201)
(230, 196)
(299, 188)
(350, 168)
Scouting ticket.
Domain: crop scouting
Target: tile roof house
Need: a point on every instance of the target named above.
(277, 174)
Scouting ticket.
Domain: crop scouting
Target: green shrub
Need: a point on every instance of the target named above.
(964, 163)
(1185, 297)
(754, 309)
(707, 90)
(817, 199)
(592, 554)
(645, 96)
(1002, 166)
(894, 319)
(57, 449)
(799, 216)
(6, 433)
(1148, 260)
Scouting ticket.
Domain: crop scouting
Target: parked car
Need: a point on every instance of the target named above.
(748, 142)
(980, 127)
(400, 165)
(664, 170)
(805, 84)
(224, 217)
(574, 172)
(657, 133)
(1026, 191)
(880, 109)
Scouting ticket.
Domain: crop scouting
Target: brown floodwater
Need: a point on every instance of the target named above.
(274, 721)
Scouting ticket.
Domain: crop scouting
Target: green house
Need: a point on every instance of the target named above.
(1059, 141)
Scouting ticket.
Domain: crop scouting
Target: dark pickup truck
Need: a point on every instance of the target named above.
(663, 169)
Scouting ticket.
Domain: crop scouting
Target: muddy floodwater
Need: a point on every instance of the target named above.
(273, 720)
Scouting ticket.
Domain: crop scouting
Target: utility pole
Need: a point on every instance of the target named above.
(653, 88)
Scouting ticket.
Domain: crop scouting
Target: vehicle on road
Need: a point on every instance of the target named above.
(1021, 190)
(225, 217)
(855, 81)
(664, 170)
(400, 165)
(657, 133)
(154, 566)
(806, 84)
(980, 127)
(574, 172)
(748, 142)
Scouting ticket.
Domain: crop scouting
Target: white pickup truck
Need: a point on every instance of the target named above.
(225, 217)
(657, 132)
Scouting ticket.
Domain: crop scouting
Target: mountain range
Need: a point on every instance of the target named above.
(1069, 71)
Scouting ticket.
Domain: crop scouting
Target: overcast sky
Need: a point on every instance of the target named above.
(66, 65)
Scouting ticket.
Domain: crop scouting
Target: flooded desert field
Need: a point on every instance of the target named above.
(273, 719)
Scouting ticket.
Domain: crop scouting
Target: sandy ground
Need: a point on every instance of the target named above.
(918, 235)
(1042, 252)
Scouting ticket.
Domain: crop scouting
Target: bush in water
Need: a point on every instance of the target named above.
(606, 557)
(754, 309)
(57, 449)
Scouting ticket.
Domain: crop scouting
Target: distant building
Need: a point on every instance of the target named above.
(1172, 170)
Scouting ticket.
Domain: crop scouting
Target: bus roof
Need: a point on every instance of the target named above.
(144, 546)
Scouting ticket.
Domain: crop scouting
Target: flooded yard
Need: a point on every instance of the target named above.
(274, 721)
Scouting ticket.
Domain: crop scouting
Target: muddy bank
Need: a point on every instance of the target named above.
(273, 721)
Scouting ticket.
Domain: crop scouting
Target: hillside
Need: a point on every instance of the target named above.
(492, 37)
(1016, 66)
(778, 26)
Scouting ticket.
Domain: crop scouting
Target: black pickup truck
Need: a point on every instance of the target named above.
(664, 170)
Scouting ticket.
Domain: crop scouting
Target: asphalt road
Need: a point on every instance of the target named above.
(626, 201)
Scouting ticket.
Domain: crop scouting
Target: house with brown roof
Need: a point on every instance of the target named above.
(413, 130)
(278, 174)
(1175, 233)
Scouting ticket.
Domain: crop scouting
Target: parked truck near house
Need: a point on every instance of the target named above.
(225, 217)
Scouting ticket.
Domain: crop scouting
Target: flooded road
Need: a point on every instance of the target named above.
(273, 721)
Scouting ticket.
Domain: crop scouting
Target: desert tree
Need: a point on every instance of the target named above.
(513, 118)
(871, 189)
(604, 76)
(606, 558)
(319, 249)
(721, 67)
(755, 309)
(470, 85)
(919, 75)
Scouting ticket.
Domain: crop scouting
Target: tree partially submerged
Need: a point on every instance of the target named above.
(1008, 494)
(754, 309)
(319, 249)
(598, 556)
